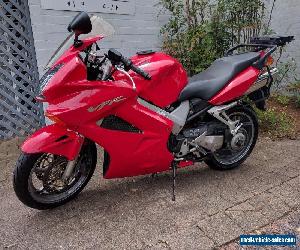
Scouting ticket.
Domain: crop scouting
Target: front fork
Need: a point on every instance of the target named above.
(70, 167)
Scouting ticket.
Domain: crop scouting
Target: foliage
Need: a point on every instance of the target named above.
(199, 31)
(297, 101)
(291, 96)
(276, 124)
(294, 91)
(294, 86)
(283, 99)
(287, 72)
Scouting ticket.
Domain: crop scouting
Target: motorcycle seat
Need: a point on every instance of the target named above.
(208, 83)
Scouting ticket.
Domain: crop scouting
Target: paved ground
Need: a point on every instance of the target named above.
(212, 208)
(288, 224)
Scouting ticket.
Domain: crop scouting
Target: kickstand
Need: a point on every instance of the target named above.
(174, 168)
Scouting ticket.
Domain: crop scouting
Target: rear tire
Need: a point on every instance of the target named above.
(23, 171)
(215, 162)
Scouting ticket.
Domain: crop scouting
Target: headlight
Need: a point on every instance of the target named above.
(47, 77)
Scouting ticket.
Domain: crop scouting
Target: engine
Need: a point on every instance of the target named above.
(199, 141)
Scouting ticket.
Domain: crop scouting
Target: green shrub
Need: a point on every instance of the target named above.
(293, 90)
(276, 124)
(294, 86)
(297, 101)
(287, 72)
(199, 31)
(283, 99)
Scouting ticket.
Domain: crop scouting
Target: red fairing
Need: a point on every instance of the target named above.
(130, 153)
(82, 105)
(72, 51)
(54, 139)
(134, 154)
(183, 164)
(237, 87)
(73, 74)
(62, 83)
(168, 78)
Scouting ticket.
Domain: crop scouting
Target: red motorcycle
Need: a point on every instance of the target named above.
(144, 111)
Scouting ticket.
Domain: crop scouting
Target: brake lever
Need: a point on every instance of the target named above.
(127, 74)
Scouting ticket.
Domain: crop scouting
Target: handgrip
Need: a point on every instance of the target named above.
(129, 65)
(140, 72)
(116, 57)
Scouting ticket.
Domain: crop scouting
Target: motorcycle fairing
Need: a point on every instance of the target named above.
(54, 139)
(237, 87)
(83, 104)
(132, 153)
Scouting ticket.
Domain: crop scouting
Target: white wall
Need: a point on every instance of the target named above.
(286, 21)
(141, 31)
(133, 32)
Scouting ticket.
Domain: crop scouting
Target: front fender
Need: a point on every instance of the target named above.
(54, 139)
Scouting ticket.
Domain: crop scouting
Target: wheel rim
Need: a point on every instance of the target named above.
(45, 184)
(229, 155)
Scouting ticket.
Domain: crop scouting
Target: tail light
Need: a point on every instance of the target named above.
(269, 61)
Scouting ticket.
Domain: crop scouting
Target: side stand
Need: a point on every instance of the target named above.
(174, 169)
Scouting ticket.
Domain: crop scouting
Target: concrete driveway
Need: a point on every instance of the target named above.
(212, 208)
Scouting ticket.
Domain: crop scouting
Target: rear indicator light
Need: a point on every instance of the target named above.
(269, 61)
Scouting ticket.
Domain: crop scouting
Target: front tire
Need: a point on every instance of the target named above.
(223, 159)
(50, 196)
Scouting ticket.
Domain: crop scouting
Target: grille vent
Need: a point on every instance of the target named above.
(115, 123)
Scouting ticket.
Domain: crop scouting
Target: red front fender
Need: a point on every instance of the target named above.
(54, 139)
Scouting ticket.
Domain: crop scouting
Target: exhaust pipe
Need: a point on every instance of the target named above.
(262, 81)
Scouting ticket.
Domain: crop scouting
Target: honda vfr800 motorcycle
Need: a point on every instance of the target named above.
(144, 111)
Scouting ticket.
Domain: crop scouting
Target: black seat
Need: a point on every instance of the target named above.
(209, 82)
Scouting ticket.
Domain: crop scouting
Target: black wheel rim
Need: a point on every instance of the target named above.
(227, 155)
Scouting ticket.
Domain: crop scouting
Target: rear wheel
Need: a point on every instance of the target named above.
(38, 181)
(237, 148)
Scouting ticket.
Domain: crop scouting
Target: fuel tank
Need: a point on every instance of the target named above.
(168, 78)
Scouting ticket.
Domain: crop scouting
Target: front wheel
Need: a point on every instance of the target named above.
(237, 149)
(38, 181)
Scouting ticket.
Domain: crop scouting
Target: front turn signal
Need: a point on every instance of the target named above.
(54, 118)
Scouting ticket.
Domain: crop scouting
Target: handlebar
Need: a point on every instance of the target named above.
(116, 57)
(129, 65)
(140, 72)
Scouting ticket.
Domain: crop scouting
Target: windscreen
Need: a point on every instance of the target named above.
(100, 27)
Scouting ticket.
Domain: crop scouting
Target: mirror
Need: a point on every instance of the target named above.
(81, 24)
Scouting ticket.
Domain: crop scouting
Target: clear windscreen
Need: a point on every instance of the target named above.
(99, 27)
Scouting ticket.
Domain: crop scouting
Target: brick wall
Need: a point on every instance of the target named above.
(133, 32)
